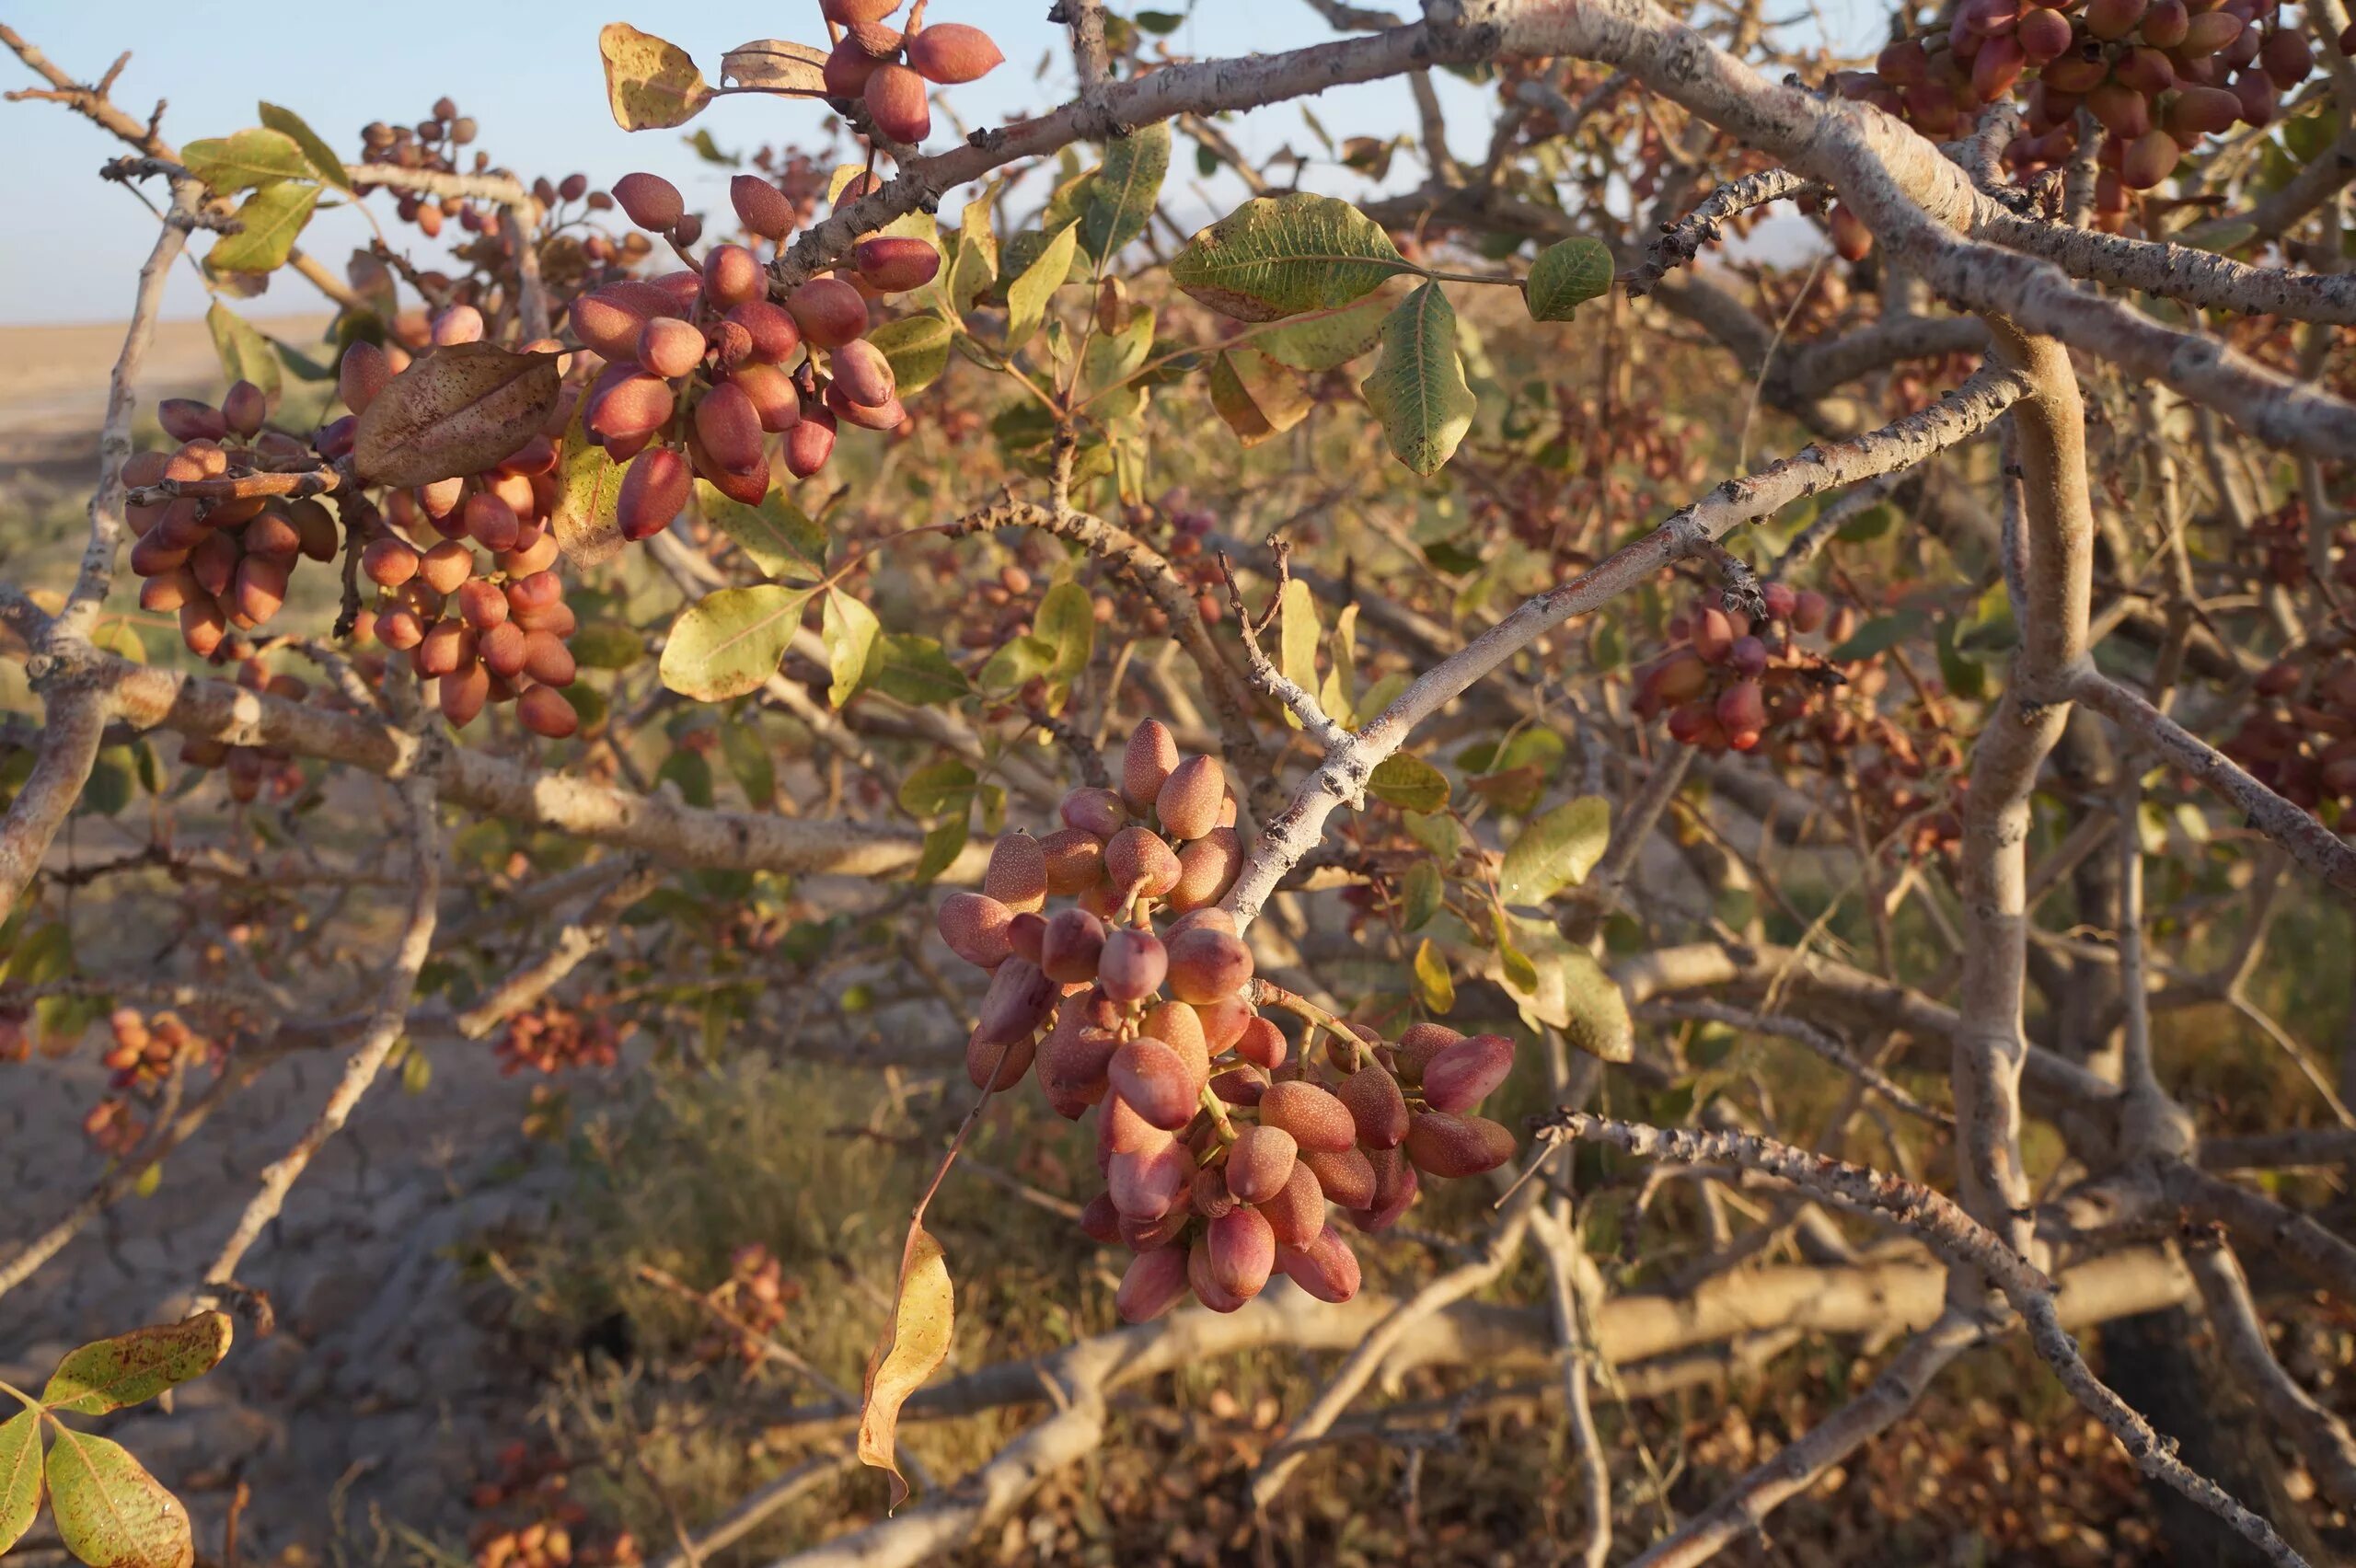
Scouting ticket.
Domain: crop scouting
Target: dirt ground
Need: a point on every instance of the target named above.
(361, 1426)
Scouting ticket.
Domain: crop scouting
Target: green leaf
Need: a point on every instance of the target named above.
(315, 152)
(120, 636)
(749, 759)
(248, 159)
(1256, 397)
(1111, 359)
(1027, 295)
(19, 1476)
(975, 269)
(1433, 986)
(272, 216)
(1436, 831)
(1121, 200)
(1408, 782)
(917, 347)
(127, 1368)
(1419, 895)
(1321, 342)
(1520, 974)
(849, 628)
(1067, 622)
(1418, 388)
(588, 492)
(110, 785)
(650, 84)
(305, 367)
(1022, 660)
(1297, 636)
(1541, 749)
(588, 703)
(246, 355)
(710, 151)
(1555, 851)
(1878, 636)
(777, 535)
(1595, 1012)
(607, 645)
(110, 1512)
(41, 954)
(913, 669)
(1868, 525)
(1277, 256)
(729, 642)
(2307, 133)
(938, 787)
(691, 771)
(941, 848)
(1566, 276)
(1965, 675)
(1376, 697)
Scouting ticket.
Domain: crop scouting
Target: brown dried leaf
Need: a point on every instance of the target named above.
(914, 1343)
(651, 84)
(456, 411)
(776, 66)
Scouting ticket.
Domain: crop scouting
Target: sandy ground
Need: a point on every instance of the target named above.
(385, 1392)
(53, 379)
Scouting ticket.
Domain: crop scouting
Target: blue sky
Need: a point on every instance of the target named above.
(528, 71)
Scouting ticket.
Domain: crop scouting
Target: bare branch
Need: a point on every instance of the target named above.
(384, 1032)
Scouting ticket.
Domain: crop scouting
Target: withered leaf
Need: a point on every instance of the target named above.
(914, 1343)
(456, 411)
(775, 65)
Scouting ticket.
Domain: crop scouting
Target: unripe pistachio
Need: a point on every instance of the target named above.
(1017, 874)
(245, 408)
(895, 263)
(952, 52)
(733, 276)
(545, 658)
(459, 324)
(895, 100)
(544, 712)
(760, 206)
(810, 442)
(1132, 966)
(729, 428)
(2149, 159)
(361, 375)
(669, 347)
(862, 374)
(847, 70)
(774, 335)
(653, 202)
(828, 311)
(462, 692)
(446, 565)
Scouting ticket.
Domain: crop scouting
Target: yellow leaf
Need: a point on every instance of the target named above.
(914, 1343)
(136, 1366)
(1297, 639)
(1434, 984)
(650, 83)
(110, 1512)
